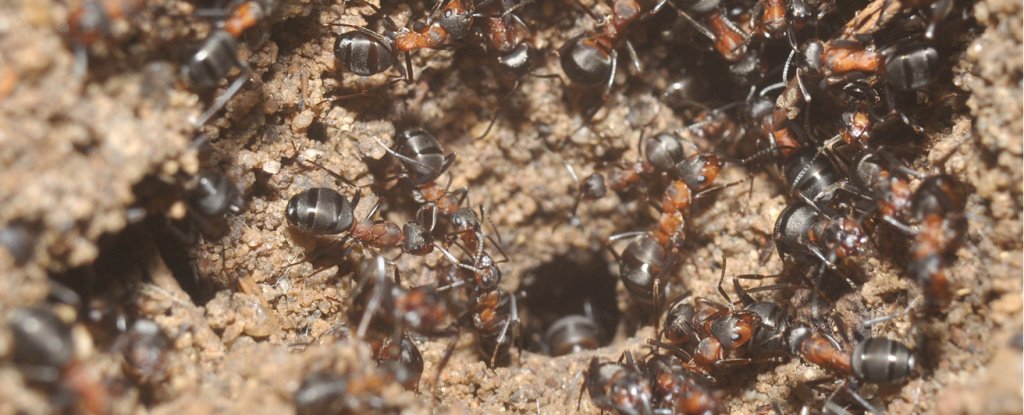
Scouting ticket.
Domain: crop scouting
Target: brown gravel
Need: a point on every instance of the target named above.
(78, 154)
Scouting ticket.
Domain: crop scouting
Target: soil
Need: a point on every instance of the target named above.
(97, 165)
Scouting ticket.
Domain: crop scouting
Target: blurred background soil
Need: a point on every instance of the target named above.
(94, 167)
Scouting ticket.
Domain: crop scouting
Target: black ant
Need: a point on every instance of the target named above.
(571, 334)
(401, 359)
(365, 53)
(45, 352)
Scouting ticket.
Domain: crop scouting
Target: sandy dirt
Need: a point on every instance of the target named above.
(96, 167)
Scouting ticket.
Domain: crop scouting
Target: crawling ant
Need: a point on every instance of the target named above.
(730, 40)
(718, 331)
(402, 360)
(880, 177)
(90, 21)
(365, 53)
(18, 240)
(44, 351)
(424, 162)
(875, 360)
(938, 206)
(383, 300)
(219, 55)
(144, 348)
(214, 195)
(327, 392)
(571, 334)
(454, 23)
(677, 390)
(591, 59)
(618, 386)
(774, 17)
(642, 266)
(323, 211)
(495, 314)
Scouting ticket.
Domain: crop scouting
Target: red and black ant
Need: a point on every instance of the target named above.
(91, 21)
(592, 58)
(722, 335)
(424, 162)
(729, 39)
(219, 55)
(938, 206)
(677, 390)
(617, 386)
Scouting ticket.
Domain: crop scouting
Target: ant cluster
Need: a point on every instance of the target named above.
(827, 88)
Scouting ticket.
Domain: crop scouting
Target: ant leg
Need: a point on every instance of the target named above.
(449, 350)
(494, 118)
(333, 173)
(730, 363)
(721, 279)
(867, 324)
(611, 74)
(513, 319)
(634, 57)
(223, 99)
(658, 344)
(863, 402)
(375, 299)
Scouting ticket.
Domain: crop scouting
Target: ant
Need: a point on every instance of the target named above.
(402, 360)
(214, 194)
(642, 266)
(144, 348)
(90, 21)
(591, 58)
(324, 211)
(716, 331)
(875, 360)
(365, 53)
(424, 162)
(494, 311)
(219, 55)
(327, 392)
(418, 309)
(507, 37)
(938, 206)
(44, 351)
(882, 178)
(454, 23)
(677, 390)
(729, 39)
(571, 334)
(617, 386)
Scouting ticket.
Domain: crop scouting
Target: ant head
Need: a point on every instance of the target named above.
(456, 19)
(465, 220)
(846, 237)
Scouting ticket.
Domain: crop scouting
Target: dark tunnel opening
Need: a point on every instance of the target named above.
(568, 304)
